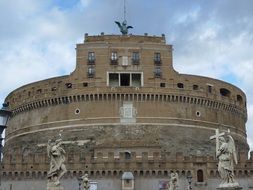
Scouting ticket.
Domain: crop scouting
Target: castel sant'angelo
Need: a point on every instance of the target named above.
(124, 110)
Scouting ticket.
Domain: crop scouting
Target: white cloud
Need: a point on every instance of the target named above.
(85, 3)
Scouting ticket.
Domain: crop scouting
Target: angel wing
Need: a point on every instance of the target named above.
(231, 148)
(118, 23)
(129, 27)
(48, 148)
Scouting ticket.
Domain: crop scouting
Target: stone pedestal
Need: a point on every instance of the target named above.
(229, 188)
(52, 186)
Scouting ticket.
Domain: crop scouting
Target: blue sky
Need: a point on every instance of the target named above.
(210, 38)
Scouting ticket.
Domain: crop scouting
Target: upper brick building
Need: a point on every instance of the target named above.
(125, 108)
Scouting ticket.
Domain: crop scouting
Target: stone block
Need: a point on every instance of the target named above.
(52, 186)
(229, 188)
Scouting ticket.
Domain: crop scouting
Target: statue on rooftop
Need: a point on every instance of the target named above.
(123, 27)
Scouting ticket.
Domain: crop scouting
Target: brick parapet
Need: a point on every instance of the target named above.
(98, 167)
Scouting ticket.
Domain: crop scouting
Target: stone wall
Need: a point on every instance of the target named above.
(115, 184)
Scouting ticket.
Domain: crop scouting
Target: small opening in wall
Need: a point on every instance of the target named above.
(225, 92)
(39, 91)
(162, 85)
(68, 85)
(198, 113)
(180, 85)
(195, 87)
(85, 84)
(239, 99)
(127, 155)
(209, 88)
(77, 111)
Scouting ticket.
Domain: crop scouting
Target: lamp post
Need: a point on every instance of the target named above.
(4, 117)
(189, 179)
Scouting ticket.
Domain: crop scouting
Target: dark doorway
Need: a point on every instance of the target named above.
(200, 176)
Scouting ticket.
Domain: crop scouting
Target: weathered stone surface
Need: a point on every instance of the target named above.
(52, 186)
(229, 188)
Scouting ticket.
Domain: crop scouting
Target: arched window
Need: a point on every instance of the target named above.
(195, 87)
(225, 92)
(180, 85)
(239, 98)
(127, 155)
(200, 176)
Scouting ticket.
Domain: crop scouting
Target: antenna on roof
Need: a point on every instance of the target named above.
(123, 27)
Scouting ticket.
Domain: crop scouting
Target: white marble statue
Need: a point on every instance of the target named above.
(226, 155)
(173, 181)
(56, 156)
(86, 182)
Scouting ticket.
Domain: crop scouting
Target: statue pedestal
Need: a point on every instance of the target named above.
(229, 188)
(52, 186)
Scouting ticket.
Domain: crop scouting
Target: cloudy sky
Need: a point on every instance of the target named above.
(210, 37)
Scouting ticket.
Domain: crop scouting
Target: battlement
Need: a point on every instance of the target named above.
(125, 38)
(110, 165)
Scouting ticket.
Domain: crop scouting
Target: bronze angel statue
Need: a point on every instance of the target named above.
(226, 155)
(123, 27)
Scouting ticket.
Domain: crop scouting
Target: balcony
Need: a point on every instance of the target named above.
(114, 61)
(157, 61)
(135, 61)
(91, 61)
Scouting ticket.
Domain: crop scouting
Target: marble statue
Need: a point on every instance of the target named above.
(173, 181)
(226, 155)
(86, 182)
(123, 27)
(56, 156)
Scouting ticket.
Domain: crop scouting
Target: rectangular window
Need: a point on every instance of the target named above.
(114, 58)
(158, 72)
(135, 57)
(162, 85)
(113, 79)
(91, 57)
(157, 58)
(209, 88)
(91, 72)
(136, 79)
(125, 79)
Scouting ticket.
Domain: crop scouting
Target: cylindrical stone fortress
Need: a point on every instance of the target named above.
(123, 99)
